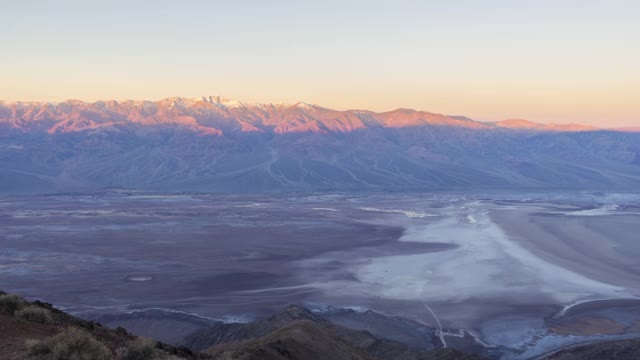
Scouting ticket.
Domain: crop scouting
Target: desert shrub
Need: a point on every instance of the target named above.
(35, 314)
(141, 349)
(71, 344)
(10, 303)
(36, 347)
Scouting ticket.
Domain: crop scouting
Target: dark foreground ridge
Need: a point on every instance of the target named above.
(297, 333)
(36, 330)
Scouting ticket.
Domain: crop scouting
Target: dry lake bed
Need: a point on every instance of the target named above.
(513, 275)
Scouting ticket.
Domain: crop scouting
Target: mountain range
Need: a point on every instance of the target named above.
(217, 144)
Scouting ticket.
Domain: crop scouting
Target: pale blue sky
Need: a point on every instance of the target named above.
(548, 61)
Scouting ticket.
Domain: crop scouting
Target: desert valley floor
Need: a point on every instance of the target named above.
(514, 276)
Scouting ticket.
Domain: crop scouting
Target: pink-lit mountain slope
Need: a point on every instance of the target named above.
(519, 124)
(215, 144)
(628, 129)
(217, 116)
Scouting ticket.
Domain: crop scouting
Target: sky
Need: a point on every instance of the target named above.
(553, 61)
